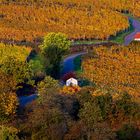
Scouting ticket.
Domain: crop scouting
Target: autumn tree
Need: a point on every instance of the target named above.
(20, 70)
(8, 97)
(8, 133)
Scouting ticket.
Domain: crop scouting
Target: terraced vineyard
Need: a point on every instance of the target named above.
(28, 21)
(68, 70)
(116, 69)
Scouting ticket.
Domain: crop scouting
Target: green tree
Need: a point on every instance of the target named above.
(37, 66)
(55, 45)
(46, 85)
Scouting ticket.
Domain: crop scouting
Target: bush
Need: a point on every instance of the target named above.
(47, 84)
(70, 90)
(127, 132)
(8, 133)
(8, 104)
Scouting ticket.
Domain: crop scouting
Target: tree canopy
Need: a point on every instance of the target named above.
(54, 47)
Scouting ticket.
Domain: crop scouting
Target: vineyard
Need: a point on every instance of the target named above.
(44, 44)
(28, 21)
(116, 69)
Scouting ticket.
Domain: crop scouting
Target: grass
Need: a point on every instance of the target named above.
(88, 42)
(120, 37)
(77, 64)
(131, 16)
(78, 70)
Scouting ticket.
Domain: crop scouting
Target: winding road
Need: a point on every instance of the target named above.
(68, 63)
(129, 38)
(24, 100)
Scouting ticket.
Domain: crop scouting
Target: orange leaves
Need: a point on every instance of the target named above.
(70, 90)
(29, 22)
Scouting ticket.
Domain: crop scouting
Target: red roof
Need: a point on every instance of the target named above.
(137, 36)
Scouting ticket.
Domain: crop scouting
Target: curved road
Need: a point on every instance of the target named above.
(68, 63)
(24, 100)
(68, 66)
(129, 38)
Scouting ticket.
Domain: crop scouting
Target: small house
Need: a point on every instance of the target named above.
(137, 37)
(72, 82)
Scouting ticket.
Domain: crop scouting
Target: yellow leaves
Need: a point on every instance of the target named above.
(98, 92)
(117, 68)
(8, 132)
(8, 103)
(18, 52)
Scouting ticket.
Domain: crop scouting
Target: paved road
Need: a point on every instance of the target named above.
(68, 63)
(68, 66)
(129, 38)
(24, 100)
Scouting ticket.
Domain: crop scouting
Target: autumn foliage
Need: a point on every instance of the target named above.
(8, 98)
(13, 70)
(116, 69)
(18, 52)
(70, 90)
(28, 21)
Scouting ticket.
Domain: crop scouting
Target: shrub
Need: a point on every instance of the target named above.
(70, 90)
(8, 104)
(127, 132)
(47, 84)
(8, 133)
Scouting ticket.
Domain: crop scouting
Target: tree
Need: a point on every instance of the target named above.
(8, 133)
(127, 132)
(55, 45)
(37, 66)
(7, 83)
(47, 84)
(8, 98)
(19, 70)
